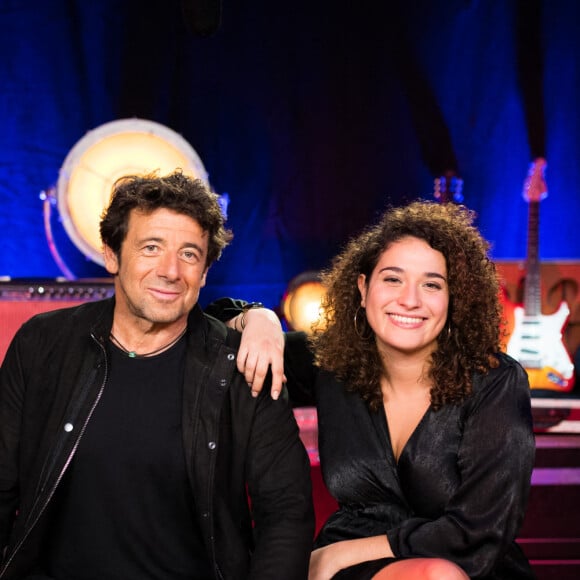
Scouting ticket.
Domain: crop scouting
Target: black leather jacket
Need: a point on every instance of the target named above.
(51, 381)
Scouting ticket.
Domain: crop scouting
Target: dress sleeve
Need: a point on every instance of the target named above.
(301, 373)
(225, 309)
(495, 462)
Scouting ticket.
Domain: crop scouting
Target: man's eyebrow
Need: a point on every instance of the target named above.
(192, 245)
(149, 239)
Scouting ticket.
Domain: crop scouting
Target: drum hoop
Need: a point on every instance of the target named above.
(95, 136)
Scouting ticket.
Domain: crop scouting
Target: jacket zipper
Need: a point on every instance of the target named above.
(62, 471)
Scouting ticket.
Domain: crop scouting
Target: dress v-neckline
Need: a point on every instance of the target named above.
(388, 441)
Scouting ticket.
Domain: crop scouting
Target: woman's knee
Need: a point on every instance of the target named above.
(440, 569)
(422, 569)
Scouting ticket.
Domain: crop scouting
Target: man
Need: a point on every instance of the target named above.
(129, 442)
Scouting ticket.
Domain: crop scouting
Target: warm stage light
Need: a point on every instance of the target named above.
(115, 149)
(301, 305)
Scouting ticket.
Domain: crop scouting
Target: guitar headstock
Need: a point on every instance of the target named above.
(535, 188)
(447, 188)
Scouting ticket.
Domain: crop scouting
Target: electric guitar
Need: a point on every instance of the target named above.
(536, 340)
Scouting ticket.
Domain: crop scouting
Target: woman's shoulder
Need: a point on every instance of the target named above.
(331, 390)
(506, 378)
(507, 364)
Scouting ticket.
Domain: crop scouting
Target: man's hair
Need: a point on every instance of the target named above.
(176, 192)
(472, 333)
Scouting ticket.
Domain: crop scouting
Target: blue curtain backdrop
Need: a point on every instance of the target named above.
(311, 115)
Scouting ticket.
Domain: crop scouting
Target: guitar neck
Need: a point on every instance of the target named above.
(533, 290)
(536, 340)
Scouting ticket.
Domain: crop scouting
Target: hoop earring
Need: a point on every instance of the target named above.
(448, 334)
(365, 334)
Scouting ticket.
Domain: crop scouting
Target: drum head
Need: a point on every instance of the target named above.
(103, 155)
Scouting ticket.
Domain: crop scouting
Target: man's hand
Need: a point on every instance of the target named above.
(262, 346)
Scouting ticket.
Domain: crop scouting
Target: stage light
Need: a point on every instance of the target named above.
(301, 305)
(115, 149)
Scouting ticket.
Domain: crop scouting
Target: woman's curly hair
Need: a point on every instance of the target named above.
(344, 343)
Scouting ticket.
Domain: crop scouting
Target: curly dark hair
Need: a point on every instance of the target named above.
(177, 192)
(472, 333)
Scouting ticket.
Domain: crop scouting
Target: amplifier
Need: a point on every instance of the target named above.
(22, 299)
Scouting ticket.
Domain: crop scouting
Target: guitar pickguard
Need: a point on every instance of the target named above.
(537, 343)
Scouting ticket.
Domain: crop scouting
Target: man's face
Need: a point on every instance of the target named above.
(161, 270)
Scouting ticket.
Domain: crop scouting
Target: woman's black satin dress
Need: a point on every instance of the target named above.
(459, 490)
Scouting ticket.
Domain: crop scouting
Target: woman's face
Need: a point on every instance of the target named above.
(407, 298)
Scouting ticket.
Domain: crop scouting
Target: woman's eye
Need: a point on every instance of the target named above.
(433, 285)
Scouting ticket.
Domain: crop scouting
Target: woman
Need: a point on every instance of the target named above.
(425, 428)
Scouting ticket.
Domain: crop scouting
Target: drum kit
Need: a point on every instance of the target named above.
(97, 160)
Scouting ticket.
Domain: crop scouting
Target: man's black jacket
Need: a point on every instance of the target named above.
(51, 380)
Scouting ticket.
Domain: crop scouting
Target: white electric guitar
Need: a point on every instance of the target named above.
(536, 341)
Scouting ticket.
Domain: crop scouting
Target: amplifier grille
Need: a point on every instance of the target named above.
(20, 300)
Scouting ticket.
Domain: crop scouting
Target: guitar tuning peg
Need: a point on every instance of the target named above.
(448, 188)
(457, 189)
(535, 187)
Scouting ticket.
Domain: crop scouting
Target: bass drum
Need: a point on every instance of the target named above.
(103, 155)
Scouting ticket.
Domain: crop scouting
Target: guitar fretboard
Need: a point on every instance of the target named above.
(532, 289)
